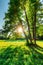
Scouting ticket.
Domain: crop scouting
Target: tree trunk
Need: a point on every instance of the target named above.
(28, 26)
(23, 31)
(34, 27)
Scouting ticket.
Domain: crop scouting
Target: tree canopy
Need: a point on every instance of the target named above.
(24, 13)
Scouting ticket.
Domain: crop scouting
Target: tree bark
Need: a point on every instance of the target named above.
(34, 27)
(28, 26)
(23, 31)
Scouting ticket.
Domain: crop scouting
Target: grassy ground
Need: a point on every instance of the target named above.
(17, 53)
(4, 43)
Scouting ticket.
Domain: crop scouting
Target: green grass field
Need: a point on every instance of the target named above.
(4, 43)
(17, 53)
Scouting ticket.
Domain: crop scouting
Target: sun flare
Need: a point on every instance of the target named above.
(19, 30)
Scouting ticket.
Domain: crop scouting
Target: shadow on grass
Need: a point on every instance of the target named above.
(12, 56)
(21, 56)
(36, 46)
(36, 54)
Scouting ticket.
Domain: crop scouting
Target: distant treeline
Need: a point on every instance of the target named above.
(4, 38)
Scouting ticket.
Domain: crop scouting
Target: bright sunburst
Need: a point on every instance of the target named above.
(19, 29)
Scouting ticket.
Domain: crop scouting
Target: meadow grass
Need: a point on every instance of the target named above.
(17, 53)
(4, 43)
(7, 43)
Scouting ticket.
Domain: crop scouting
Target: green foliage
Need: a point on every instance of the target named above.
(24, 13)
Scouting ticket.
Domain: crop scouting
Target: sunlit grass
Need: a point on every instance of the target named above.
(40, 43)
(16, 51)
(4, 43)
